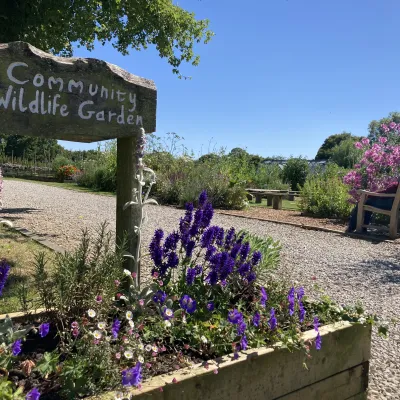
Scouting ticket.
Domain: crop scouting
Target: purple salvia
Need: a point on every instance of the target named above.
(272, 320)
(4, 271)
(290, 298)
(264, 297)
(202, 198)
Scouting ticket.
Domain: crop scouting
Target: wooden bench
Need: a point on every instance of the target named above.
(393, 213)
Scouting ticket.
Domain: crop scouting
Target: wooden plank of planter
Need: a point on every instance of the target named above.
(266, 373)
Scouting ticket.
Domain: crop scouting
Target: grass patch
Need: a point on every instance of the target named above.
(64, 185)
(286, 205)
(19, 251)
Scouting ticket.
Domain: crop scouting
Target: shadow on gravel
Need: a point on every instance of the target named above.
(389, 271)
(18, 210)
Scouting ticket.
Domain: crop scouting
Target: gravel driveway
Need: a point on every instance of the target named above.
(347, 269)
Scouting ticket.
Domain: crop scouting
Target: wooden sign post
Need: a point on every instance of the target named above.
(82, 100)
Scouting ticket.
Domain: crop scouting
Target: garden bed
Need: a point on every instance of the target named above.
(338, 371)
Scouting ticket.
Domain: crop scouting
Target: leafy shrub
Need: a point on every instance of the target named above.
(325, 195)
(346, 155)
(267, 176)
(60, 161)
(295, 172)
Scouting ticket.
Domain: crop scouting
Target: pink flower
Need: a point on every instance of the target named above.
(174, 380)
(155, 274)
(365, 141)
(160, 389)
(99, 299)
(215, 371)
(134, 275)
(358, 145)
(75, 325)
(117, 356)
(96, 341)
(117, 282)
(75, 332)
(148, 365)
(141, 302)
(382, 140)
(160, 283)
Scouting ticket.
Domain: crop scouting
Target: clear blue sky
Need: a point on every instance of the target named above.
(279, 76)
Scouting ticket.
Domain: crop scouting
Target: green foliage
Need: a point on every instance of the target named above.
(325, 151)
(126, 24)
(295, 172)
(374, 127)
(59, 161)
(268, 176)
(8, 391)
(325, 195)
(346, 155)
(78, 277)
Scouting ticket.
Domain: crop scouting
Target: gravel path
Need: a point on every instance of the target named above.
(347, 269)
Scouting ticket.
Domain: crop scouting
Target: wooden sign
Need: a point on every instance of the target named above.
(76, 99)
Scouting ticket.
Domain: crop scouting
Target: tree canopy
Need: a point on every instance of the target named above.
(326, 150)
(54, 25)
(374, 128)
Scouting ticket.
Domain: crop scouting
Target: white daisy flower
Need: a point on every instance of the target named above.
(128, 354)
(167, 323)
(141, 346)
(169, 312)
(148, 347)
(123, 298)
(127, 272)
(101, 325)
(97, 334)
(154, 349)
(91, 313)
(126, 340)
(129, 315)
(141, 359)
(203, 339)
(131, 324)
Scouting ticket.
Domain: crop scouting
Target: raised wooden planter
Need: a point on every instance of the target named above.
(339, 371)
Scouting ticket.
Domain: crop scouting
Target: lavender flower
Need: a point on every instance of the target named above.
(291, 301)
(256, 319)
(244, 269)
(300, 293)
(210, 306)
(202, 198)
(316, 323)
(4, 271)
(160, 297)
(33, 394)
(244, 251)
(272, 320)
(235, 317)
(208, 213)
(190, 276)
(210, 252)
(302, 312)
(132, 376)
(44, 329)
(243, 342)
(171, 241)
(189, 248)
(256, 258)
(16, 347)
(199, 269)
(229, 238)
(156, 251)
(173, 260)
(251, 277)
(241, 328)
(198, 216)
(264, 297)
(219, 238)
(318, 342)
(235, 250)
(115, 328)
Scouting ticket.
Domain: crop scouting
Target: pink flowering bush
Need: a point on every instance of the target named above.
(379, 167)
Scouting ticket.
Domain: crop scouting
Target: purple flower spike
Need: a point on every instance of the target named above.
(264, 297)
(291, 301)
(4, 271)
(16, 347)
(302, 312)
(316, 324)
(190, 275)
(33, 394)
(256, 319)
(318, 342)
(272, 320)
(243, 342)
(44, 329)
(202, 198)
